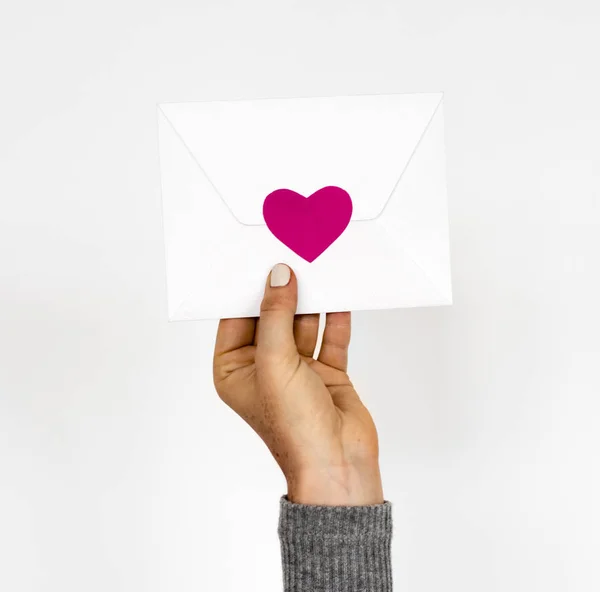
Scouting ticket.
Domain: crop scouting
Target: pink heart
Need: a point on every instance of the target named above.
(308, 225)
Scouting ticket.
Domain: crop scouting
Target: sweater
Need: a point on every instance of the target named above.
(335, 549)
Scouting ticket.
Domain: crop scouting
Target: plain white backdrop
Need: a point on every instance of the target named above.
(119, 467)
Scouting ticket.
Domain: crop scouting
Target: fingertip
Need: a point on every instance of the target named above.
(280, 276)
(281, 289)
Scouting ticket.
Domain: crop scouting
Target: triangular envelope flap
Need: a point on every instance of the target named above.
(247, 149)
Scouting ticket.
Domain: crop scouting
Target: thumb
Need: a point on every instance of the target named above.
(275, 332)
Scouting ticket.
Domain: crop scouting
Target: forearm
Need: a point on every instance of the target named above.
(335, 548)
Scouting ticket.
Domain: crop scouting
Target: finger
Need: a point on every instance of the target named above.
(345, 398)
(276, 327)
(233, 334)
(306, 332)
(336, 339)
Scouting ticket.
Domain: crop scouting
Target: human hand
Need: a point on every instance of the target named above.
(305, 410)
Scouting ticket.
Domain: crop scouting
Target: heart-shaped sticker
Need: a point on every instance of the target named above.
(308, 225)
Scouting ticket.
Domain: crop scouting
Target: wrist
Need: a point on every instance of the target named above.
(337, 486)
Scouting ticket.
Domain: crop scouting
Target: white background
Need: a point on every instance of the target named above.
(119, 467)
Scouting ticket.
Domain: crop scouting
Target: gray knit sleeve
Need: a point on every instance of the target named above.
(336, 549)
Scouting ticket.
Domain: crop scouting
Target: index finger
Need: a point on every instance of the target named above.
(233, 334)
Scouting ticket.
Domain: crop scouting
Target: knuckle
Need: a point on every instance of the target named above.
(267, 357)
(218, 380)
(273, 359)
(220, 371)
(221, 374)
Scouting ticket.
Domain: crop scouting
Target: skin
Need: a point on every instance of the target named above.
(305, 410)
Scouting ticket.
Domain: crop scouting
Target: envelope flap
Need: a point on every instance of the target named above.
(247, 149)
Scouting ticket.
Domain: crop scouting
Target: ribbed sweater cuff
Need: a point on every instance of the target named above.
(336, 549)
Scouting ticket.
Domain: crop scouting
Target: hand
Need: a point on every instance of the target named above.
(305, 410)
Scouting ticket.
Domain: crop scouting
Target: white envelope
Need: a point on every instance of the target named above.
(219, 160)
